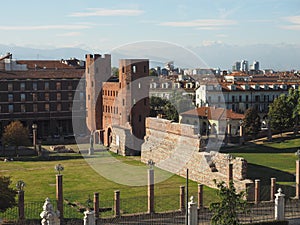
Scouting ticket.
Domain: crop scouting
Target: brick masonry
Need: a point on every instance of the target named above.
(175, 148)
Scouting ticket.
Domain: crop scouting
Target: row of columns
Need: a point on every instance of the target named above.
(59, 193)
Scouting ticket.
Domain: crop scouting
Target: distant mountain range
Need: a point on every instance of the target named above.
(277, 57)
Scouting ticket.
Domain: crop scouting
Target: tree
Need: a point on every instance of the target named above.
(115, 71)
(251, 122)
(7, 194)
(163, 106)
(15, 134)
(231, 203)
(281, 114)
(293, 100)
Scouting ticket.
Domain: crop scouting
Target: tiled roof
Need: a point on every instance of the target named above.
(44, 64)
(214, 113)
(43, 74)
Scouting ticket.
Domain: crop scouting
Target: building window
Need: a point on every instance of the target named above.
(123, 101)
(10, 108)
(140, 118)
(23, 97)
(10, 87)
(70, 106)
(81, 96)
(232, 98)
(58, 107)
(247, 98)
(134, 69)
(240, 98)
(89, 97)
(145, 69)
(35, 108)
(219, 98)
(70, 96)
(58, 96)
(123, 69)
(46, 86)
(22, 86)
(58, 86)
(34, 86)
(47, 108)
(128, 118)
(46, 96)
(10, 97)
(70, 87)
(23, 108)
(34, 97)
(92, 84)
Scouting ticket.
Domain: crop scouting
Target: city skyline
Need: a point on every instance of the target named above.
(101, 26)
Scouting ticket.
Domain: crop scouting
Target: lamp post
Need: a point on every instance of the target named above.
(59, 190)
(34, 133)
(241, 132)
(20, 189)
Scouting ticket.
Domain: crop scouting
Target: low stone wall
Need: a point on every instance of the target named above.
(175, 147)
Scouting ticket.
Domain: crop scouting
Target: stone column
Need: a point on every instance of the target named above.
(230, 173)
(257, 191)
(192, 213)
(89, 218)
(21, 205)
(279, 205)
(117, 203)
(297, 179)
(241, 135)
(96, 204)
(200, 196)
(150, 191)
(273, 189)
(59, 195)
(182, 198)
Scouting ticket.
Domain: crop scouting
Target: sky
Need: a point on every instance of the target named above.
(102, 25)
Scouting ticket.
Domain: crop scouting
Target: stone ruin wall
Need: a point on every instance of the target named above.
(175, 148)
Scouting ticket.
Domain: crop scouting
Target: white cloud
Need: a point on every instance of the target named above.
(205, 24)
(69, 34)
(294, 23)
(107, 12)
(45, 27)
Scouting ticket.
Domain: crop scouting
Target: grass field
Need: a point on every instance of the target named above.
(271, 159)
(81, 181)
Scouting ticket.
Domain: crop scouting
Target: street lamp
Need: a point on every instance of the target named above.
(297, 153)
(59, 168)
(20, 185)
(34, 132)
(151, 163)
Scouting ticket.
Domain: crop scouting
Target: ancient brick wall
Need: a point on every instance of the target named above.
(175, 148)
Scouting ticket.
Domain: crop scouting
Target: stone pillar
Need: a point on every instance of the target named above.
(182, 199)
(200, 196)
(96, 205)
(192, 213)
(297, 179)
(230, 173)
(59, 195)
(257, 191)
(48, 215)
(279, 205)
(21, 205)
(150, 191)
(117, 203)
(273, 189)
(241, 135)
(89, 218)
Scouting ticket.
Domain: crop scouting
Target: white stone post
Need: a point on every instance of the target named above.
(279, 205)
(48, 215)
(89, 218)
(192, 212)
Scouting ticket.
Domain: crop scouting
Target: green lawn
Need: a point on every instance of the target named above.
(81, 181)
(271, 159)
